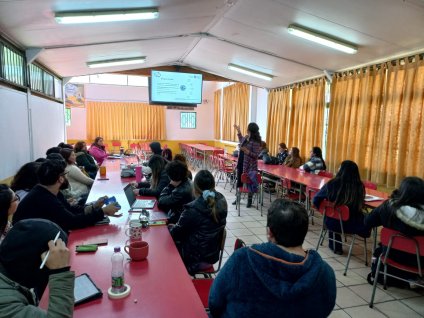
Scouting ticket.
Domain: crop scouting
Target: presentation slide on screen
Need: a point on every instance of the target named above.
(175, 87)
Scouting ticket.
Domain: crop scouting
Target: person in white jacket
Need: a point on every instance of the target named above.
(80, 182)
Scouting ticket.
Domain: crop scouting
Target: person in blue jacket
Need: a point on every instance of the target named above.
(278, 278)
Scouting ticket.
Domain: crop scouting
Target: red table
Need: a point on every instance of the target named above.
(160, 284)
(203, 150)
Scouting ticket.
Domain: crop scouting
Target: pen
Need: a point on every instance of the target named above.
(48, 252)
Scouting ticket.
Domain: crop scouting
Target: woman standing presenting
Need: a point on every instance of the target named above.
(250, 147)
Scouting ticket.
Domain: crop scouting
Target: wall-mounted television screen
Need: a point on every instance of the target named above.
(175, 88)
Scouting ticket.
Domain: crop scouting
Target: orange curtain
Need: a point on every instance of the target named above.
(399, 149)
(354, 119)
(307, 116)
(217, 114)
(235, 110)
(278, 118)
(118, 120)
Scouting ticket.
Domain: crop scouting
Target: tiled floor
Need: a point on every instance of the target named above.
(353, 291)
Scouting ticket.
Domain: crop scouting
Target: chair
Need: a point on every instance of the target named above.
(208, 272)
(239, 243)
(310, 193)
(291, 192)
(203, 286)
(340, 213)
(245, 180)
(116, 144)
(395, 240)
(324, 173)
(370, 185)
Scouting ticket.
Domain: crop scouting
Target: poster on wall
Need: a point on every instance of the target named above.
(74, 95)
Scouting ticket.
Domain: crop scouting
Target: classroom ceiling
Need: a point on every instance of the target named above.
(207, 35)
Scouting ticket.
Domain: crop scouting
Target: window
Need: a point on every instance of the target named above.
(12, 68)
(188, 120)
(68, 116)
(36, 78)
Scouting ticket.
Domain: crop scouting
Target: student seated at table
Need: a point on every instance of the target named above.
(79, 182)
(9, 201)
(346, 188)
(156, 148)
(53, 150)
(197, 233)
(278, 278)
(316, 162)
(264, 154)
(22, 282)
(167, 154)
(403, 212)
(158, 181)
(84, 159)
(177, 193)
(183, 159)
(25, 179)
(283, 152)
(98, 151)
(63, 145)
(293, 159)
(45, 201)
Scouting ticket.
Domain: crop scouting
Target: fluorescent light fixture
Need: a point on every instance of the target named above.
(90, 16)
(250, 72)
(117, 62)
(322, 39)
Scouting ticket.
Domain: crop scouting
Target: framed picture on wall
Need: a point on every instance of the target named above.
(188, 120)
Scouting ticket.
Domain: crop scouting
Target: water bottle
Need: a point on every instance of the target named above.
(138, 174)
(117, 271)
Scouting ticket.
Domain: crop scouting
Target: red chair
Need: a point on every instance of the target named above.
(310, 193)
(239, 243)
(116, 144)
(208, 272)
(245, 180)
(340, 213)
(203, 286)
(370, 185)
(292, 192)
(324, 173)
(395, 240)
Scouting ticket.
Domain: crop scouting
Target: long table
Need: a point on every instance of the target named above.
(160, 285)
(203, 150)
(311, 180)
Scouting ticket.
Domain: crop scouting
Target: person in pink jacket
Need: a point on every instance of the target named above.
(97, 150)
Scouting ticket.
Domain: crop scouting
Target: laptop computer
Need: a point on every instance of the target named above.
(137, 203)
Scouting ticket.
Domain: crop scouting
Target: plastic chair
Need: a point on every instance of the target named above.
(116, 144)
(290, 192)
(340, 213)
(208, 272)
(203, 287)
(310, 193)
(370, 185)
(239, 243)
(244, 189)
(396, 240)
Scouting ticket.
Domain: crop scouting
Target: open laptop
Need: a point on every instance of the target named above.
(137, 203)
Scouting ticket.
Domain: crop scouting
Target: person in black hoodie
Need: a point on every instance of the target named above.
(158, 181)
(45, 201)
(22, 282)
(198, 232)
(177, 193)
(85, 160)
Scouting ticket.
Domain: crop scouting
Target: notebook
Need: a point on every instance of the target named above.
(137, 203)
